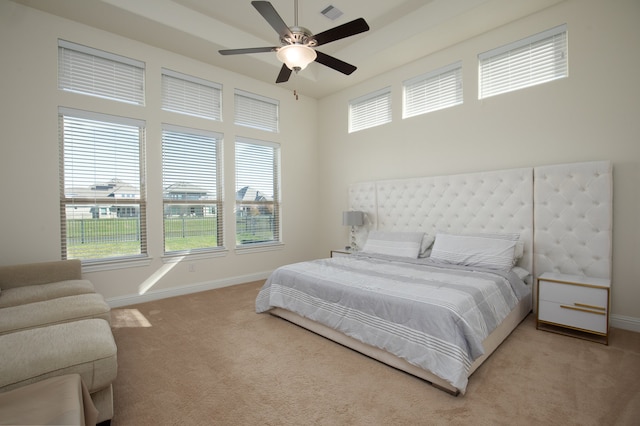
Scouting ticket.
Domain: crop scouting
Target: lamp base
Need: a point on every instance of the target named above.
(354, 245)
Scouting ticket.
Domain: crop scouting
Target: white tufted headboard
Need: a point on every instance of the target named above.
(573, 219)
(569, 204)
(498, 201)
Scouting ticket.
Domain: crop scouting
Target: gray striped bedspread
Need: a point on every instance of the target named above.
(431, 315)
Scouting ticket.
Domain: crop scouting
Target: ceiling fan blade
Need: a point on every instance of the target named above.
(247, 50)
(354, 27)
(284, 75)
(335, 63)
(269, 13)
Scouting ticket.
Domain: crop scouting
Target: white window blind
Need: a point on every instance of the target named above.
(370, 110)
(190, 95)
(255, 111)
(89, 71)
(435, 90)
(102, 196)
(257, 192)
(535, 60)
(192, 189)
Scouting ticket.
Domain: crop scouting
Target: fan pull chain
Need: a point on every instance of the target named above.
(294, 81)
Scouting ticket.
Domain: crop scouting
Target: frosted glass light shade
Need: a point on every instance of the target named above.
(296, 56)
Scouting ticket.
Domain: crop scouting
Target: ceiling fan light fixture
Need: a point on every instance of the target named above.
(298, 43)
(296, 56)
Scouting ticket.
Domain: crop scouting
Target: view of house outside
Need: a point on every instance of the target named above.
(96, 231)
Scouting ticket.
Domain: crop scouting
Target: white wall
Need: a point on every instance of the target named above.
(29, 217)
(592, 115)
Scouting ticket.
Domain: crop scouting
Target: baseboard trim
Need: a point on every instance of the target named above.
(625, 323)
(116, 302)
(616, 321)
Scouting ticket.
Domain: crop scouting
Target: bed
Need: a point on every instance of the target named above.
(446, 271)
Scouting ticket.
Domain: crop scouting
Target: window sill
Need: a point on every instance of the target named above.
(178, 257)
(258, 248)
(108, 265)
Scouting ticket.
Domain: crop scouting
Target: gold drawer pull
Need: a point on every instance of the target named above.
(582, 309)
(582, 305)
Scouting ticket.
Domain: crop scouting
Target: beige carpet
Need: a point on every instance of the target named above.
(209, 359)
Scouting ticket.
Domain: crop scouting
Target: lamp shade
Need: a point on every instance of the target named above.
(296, 56)
(353, 218)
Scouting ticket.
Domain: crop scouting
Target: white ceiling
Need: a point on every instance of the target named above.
(401, 31)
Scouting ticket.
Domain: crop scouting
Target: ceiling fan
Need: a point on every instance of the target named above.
(298, 44)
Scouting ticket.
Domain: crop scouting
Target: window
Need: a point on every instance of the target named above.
(257, 192)
(89, 71)
(535, 60)
(255, 111)
(370, 110)
(189, 95)
(192, 189)
(436, 90)
(102, 195)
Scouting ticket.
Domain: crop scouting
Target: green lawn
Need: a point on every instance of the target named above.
(104, 238)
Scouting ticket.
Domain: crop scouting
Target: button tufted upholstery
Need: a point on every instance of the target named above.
(569, 204)
(573, 219)
(499, 201)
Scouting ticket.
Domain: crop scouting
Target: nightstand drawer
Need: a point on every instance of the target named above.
(571, 315)
(571, 294)
(574, 305)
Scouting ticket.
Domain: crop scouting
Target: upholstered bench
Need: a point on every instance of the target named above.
(85, 347)
(62, 400)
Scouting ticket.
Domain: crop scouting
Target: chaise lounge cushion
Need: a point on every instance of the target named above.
(54, 311)
(36, 293)
(84, 347)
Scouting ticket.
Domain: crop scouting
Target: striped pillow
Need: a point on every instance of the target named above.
(474, 250)
(403, 244)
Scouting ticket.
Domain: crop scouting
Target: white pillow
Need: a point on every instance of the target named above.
(403, 244)
(507, 236)
(425, 245)
(474, 250)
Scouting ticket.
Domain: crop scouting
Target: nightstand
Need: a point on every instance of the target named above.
(340, 252)
(574, 305)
